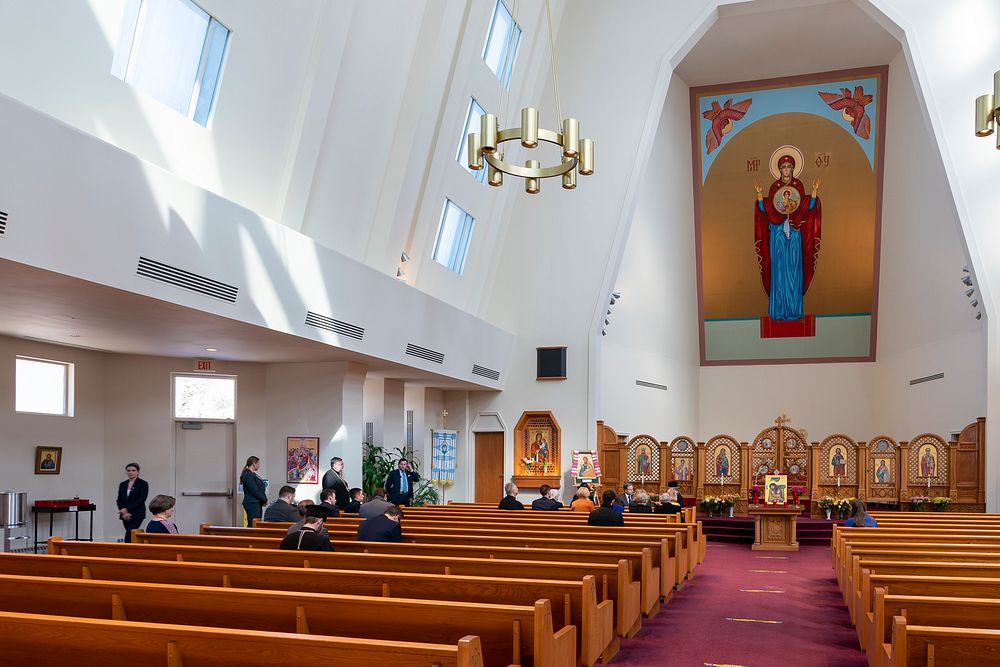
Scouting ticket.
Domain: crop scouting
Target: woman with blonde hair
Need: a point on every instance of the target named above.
(582, 503)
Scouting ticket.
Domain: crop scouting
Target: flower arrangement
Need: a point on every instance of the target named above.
(711, 504)
(755, 492)
(844, 506)
(918, 502)
(941, 503)
(729, 499)
(827, 503)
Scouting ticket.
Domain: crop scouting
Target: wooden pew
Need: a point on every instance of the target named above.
(918, 645)
(573, 602)
(928, 611)
(60, 641)
(666, 565)
(509, 634)
(885, 538)
(640, 557)
(614, 580)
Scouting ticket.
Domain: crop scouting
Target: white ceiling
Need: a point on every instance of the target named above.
(51, 307)
(772, 38)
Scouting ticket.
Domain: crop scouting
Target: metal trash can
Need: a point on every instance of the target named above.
(14, 520)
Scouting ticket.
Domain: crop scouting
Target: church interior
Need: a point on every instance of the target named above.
(746, 269)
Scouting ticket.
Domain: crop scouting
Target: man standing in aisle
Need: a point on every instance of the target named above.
(399, 484)
(334, 479)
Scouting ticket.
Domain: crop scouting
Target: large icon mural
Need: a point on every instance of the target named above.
(794, 277)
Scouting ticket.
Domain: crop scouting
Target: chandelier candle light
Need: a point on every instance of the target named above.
(988, 110)
(577, 153)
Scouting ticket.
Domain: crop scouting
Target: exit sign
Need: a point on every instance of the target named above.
(204, 365)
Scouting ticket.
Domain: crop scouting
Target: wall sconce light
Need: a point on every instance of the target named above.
(987, 111)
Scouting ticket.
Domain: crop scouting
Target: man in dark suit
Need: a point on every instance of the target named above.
(604, 515)
(672, 484)
(400, 482)
(309, 537)
(376, 506)
(327, 498)
(357, 497)
(282, 510)
(627, 495)
(382, 528)
(334, 479)
(546, 502)
(510, 501)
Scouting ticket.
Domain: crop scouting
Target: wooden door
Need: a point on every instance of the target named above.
(489, 467)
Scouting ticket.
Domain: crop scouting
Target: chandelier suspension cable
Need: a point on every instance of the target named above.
(505, 90)
(552, 62)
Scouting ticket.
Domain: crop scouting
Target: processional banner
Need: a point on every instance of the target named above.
(445, 445)
(788, 189)
(586, 467)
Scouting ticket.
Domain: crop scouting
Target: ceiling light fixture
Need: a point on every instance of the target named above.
(979, 315)
(211, 349)
(988, 110)
(403, 257)
(969, 292)
(484, 146)
(975, 303)
(967, 280)
(400, 274)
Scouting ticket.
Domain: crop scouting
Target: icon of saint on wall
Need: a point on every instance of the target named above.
(682, 472)
(722, 462)
(882, 473)
(642, 461)
(927, 463)
(838, 463)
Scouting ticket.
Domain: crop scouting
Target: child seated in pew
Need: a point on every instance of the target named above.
(162, 509)
(859, 517)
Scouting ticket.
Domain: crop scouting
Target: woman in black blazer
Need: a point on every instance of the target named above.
(254, 495)
(132, 500)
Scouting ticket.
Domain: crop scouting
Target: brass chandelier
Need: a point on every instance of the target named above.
(577, 154)
(988, 111)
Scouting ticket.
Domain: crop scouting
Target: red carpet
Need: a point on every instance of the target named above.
(693, 630)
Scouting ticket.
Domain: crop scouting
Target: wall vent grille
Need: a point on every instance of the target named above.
(409, 431)
(3, 223)
(150, 268)
(370, 433)
(651, 385)
(336, 326)
(424, 353)
(485, 372)
(927, 378)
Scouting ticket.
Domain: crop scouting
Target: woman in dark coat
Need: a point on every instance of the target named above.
(132, 495)
(254, 495)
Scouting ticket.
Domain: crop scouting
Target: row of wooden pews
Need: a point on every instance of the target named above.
(923, 589)
(470, 586)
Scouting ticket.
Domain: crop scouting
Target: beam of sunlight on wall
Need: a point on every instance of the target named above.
(265, 297)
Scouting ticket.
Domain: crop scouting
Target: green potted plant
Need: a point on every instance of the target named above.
(378, 462)
(941, 503)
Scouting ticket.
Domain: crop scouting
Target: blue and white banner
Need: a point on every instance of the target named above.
(445, 444)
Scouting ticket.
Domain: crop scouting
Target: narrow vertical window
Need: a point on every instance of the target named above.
(502, 41)
(43, 387)
(174, 51)
(471, 125)
(452, 242)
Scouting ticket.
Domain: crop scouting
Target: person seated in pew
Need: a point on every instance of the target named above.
(309, 536)
(357, 497)
(283, 510)
(859, 517)
(627, 495)
(376, 506)
(605, 515)
(328, 499)
(582, 503)
(547, 501)
(510, 501)
(303, 506)
(641, 503)
(672, 484)
(162, 509)
(669, 504)
(382, 528)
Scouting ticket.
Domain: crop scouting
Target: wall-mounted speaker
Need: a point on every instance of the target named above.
(551, 363)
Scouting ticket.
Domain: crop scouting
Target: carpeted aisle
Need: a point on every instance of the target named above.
(753, 609)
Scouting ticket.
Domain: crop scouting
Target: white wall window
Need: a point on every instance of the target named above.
(471, 125)
(501, 43)
(204, 397)
(453, 235)
(43, 387)
(173, 51)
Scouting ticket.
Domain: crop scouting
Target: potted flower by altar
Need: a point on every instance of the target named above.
(827, 504)
(797, 493)
(844, 507)
(711, 505)
(917, 503)
(728, 501)
(940, 503)
(755, 494)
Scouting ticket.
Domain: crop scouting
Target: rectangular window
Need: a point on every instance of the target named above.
(453, 235)
(205, 397)
(471, 125)
(173, 51)
(43, 387)
(501, 43)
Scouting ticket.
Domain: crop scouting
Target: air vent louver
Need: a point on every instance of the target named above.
(651, 385)
(927, 378)
(482, 371)
(336, 326)
(3, 223)
(150, 268)
(424, 353)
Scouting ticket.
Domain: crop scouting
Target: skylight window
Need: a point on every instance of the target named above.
(43, 387)
(452, 242)
(173, 51)
(501, 43)
(471, 125)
